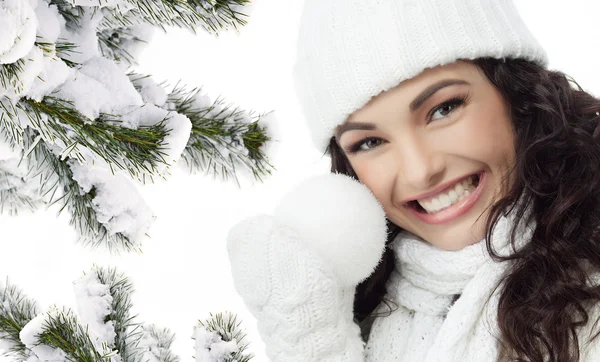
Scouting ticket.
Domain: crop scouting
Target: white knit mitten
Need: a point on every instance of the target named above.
(297, 271)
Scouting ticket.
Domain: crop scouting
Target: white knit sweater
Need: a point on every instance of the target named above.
(447, 303)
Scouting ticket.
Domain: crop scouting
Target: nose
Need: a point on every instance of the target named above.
(421, 164)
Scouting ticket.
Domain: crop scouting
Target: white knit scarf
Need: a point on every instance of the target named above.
(431, 324)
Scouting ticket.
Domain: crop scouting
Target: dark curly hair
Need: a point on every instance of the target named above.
(547, 292)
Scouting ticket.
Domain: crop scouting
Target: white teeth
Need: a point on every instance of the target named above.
(450, 197)
(444, 200)
(453, 194)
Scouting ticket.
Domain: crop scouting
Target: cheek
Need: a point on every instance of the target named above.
(378, 175)
(494, 139)
(487, 136)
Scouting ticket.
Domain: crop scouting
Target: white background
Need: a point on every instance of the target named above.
(183, 273)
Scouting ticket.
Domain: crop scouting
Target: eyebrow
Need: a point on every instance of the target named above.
(429, 91)
(414, 105)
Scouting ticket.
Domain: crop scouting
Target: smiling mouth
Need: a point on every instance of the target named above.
(447, 198)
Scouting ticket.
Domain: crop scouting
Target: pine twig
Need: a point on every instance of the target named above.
(128, 332)
(161, 340)
(224, 13)
(112, 45)
(210, 15)
(61, 48)
(228, 328)
(62, 330)
(222, 137)
(135, 150)
(80, 205)
(16, 310)
(69, 12)
(9, 74)
(12, 201)
(10, 125)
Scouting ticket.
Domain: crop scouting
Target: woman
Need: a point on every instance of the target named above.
(487, 166)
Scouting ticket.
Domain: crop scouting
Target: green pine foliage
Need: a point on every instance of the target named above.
(223, 136)
(227, 327)
(61, 330)
(51, 132)
(16, 310)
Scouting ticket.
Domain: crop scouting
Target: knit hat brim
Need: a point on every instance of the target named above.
(349, 51)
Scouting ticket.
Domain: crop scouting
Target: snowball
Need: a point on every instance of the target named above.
(18, 30)
(118, 204)
(29, 337)
(94, 304)
(341, 220)
(210, 347)
(50, 22)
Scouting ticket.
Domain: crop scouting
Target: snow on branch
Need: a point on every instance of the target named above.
(223, 136)
(78, 129)
(220, 339)
(104, 328)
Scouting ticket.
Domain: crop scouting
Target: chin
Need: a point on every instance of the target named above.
(456, 245)
(451, 242)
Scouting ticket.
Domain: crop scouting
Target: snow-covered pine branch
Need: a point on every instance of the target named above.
(78, 130)
(223, 136)
(220, 339)
(104, 329)
(16, 310)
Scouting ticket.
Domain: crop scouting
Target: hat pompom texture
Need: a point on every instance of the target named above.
(339, 219)
(351, 50)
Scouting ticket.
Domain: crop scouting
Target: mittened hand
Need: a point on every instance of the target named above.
(302, 311)
(297, 271)
(341, 220)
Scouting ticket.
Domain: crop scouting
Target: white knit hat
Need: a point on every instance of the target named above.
(351, 50)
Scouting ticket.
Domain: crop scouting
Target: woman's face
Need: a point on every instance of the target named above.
(435, 152)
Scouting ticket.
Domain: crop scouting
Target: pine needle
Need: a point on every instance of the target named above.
(61, 330)
(134, 150)
(223, 137)
(228, 328)
(16, 310)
